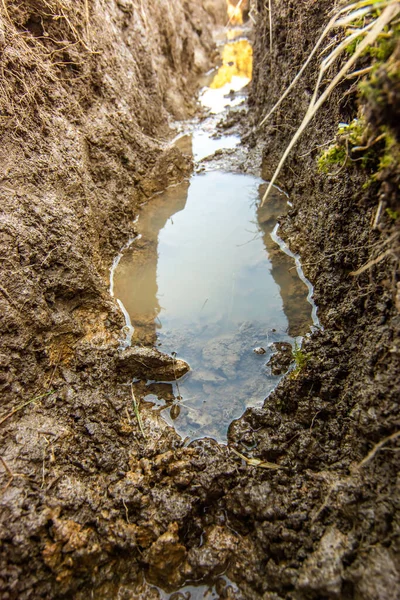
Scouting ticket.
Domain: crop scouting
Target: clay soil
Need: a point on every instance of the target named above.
(91, 506)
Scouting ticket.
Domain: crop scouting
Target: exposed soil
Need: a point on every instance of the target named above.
(88, 504)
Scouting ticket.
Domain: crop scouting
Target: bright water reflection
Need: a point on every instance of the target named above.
(200, 143)
(233, 75)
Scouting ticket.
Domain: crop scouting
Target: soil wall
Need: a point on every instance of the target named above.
(343, 406)
(88, 89)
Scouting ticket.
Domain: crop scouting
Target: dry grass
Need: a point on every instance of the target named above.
(39, 53)
(342, 19)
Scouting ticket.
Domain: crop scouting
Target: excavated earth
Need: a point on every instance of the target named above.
(89, 506)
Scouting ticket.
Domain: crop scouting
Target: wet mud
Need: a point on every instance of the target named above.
(302, 503)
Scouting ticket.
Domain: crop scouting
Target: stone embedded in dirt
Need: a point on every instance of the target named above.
(148, 363)
(376, 576)
(165, 555)
(280, 362)
(323, 570)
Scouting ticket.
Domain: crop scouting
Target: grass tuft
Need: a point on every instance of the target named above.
(381, 14)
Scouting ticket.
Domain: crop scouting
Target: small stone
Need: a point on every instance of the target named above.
(282, 358)
(259, 350)
(148, 363)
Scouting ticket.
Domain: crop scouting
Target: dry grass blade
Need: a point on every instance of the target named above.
(300, 73)
(256, 462)
(371, 263)
(21, 406)
(6, 10)
(270, 25)
(361, 8)
(377, 447)
(137, 413)
(378, 25)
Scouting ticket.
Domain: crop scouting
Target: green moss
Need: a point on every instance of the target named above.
(383, 48)
(393, 214)
(352, 47)
(334, 155)
(384, 45)
(355, 132)
(367, 184)
(390, 157)
(301, 359)
(350, 138)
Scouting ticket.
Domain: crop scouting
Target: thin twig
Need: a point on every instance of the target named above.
(10, 414)
(10, 474)
(176, 380)
(137, 413)
(371, 263)
(359, 73)
(256, 462)
(378, 215)
(376, 449)
(126, 512)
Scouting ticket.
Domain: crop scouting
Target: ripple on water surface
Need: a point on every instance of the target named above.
(206, 280)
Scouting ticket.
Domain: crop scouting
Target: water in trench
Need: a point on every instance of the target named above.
(207, 280)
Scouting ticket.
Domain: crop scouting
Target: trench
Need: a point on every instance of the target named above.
(207, 279)
(294, 498)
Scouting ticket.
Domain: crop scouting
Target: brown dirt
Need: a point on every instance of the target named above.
(89, 505)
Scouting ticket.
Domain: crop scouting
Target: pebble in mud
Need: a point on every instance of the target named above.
(259, 350)
(141, 362)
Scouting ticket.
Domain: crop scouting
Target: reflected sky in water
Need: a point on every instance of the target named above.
(207, 281)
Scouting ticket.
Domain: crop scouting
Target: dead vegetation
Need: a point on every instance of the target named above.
(39, 61)
(374, 19)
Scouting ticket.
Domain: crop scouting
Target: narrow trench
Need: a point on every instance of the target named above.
(187, 454)
(207, 279)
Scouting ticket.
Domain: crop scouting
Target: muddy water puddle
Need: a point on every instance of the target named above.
(203, 143)
(209, 280)
(206, 280)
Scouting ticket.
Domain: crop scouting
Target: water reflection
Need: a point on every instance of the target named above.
(135, 280)
(206, 280)
(293, 292)
(233, 75)
(201, 143)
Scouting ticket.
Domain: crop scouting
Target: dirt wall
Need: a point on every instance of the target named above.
(85, 100)
(343, 406)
